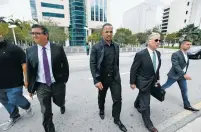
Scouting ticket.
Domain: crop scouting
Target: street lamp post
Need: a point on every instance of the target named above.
(12, 27)
(164, 42)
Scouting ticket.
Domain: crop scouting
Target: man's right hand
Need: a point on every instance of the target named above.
(133, 86)
(31, 95)
(187, 77)
(99, 85)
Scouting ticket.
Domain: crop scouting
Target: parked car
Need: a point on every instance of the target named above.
(194, 52)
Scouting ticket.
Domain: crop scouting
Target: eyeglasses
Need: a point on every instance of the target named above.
(157, 40)
(35, 33)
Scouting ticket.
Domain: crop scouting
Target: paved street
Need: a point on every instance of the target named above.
(81, 101)
(193, 126)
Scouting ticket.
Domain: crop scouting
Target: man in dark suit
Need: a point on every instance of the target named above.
(180, 63)
(144, 74)
(104, 65)
(47, 72)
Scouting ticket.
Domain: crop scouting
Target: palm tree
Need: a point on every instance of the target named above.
(16, 22)
(2, 20)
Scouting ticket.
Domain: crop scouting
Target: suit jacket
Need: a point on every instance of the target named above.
(142, 70)
(60, 67)
(96, 59)
(178, 64)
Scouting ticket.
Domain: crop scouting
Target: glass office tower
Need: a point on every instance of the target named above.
(77, 28)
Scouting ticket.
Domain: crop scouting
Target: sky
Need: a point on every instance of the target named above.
(118, 7)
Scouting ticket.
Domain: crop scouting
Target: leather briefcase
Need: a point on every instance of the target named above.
(158, 92)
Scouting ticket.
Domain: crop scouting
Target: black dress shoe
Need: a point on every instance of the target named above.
(63, 109)
(121, 126)
(191, 108)
(152, 129)
(102, 114)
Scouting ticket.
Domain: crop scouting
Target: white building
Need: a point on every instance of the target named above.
(140, 18)
(97, 14)
(180, 12)
(165, 19)
(55, 10)
(196, 13)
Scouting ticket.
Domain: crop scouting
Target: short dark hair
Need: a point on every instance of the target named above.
(106, 24)
(43, 28)
(184, 41)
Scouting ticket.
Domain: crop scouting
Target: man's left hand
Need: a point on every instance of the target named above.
(157, 82)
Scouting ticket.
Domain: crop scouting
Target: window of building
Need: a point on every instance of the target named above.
(92, 10)
(101, 11)
(48, 14)
(166, 9)
(96, 10)
(186, 12)
(188, 3)
(185, 21)
(105, 10)
(49, 5)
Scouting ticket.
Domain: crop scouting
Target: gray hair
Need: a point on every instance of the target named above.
(153, 36)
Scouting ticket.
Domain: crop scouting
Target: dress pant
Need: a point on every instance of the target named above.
(115, 88)
(142, 103)
(45, 94)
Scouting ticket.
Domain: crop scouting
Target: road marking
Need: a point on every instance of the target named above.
(3, 124)
(124, 73)
(167, 123)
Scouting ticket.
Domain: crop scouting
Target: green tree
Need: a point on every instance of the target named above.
(122, 36)
(133, 39)
(2, 20)
(95, 37)
(142, 37)
(4, 28)
(171, 37)
(56, 34)
(192, 33)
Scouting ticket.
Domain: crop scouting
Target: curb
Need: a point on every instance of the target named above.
(180, 120)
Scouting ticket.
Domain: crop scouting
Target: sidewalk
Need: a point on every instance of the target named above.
(194, 126)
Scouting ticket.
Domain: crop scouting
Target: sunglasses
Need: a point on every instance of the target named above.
(157, 40)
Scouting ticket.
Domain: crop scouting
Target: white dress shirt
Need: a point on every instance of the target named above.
(41, 73)
(151, 55)
(186, 59)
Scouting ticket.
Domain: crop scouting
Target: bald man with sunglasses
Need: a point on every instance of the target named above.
(144, 74)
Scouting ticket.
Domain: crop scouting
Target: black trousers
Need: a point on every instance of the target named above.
(115, 88)
(45, 94)
(142, 103)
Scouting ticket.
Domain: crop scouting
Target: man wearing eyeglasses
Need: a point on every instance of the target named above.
(144, 74)
(48, 72)
(178, 72)
(12, 68)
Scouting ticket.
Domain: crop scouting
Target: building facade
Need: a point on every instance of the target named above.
(180, 12)
(97, 14)
(165, 20)
(77, 22)
(54, 10)
(196, 13)
(140, 18)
